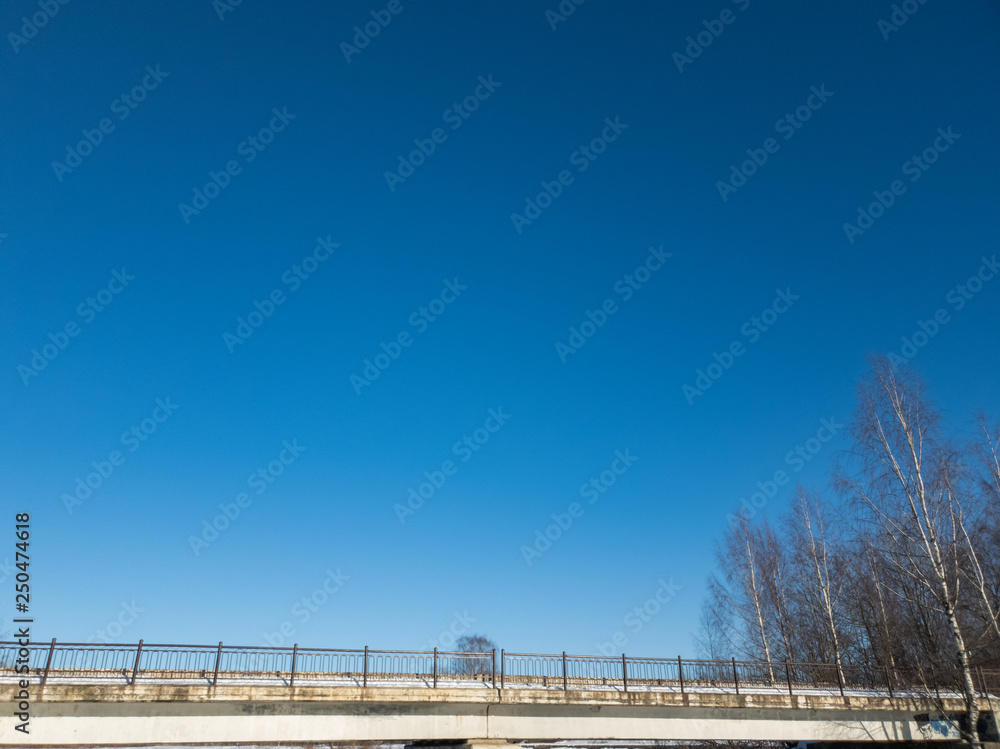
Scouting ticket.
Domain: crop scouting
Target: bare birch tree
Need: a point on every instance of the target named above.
(983, 541)
(774, 564)
(741, 590)
(812, 548)
(903, 491)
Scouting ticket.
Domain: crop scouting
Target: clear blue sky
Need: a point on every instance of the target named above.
(162, 342)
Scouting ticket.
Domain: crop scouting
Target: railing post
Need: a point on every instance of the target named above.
(788, 677)
(218, 659)
(364, 679)
(680, 673)
(736, 677)
(503, 659)
(48, 661)
(840, 680)
(888, 681)
(435, 666)
(295, 654)
(624, 673)
(135, 668)
(564, 670)
(494, 668)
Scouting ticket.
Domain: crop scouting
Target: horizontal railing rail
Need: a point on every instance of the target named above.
(291, 666)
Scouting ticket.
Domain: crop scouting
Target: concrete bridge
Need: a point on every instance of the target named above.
(84, 699)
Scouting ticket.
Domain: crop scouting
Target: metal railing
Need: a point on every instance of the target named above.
(214, 664)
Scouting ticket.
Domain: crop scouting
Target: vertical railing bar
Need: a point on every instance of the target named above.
(295, 654)
(888, 681)
(435, 667)
(494, 668)
(624, 673)
(502, 661)
(736, 677)
(364, 679)
(680, 673)
(218, 659)
(48, 661)
(564, 670)
(135, 668)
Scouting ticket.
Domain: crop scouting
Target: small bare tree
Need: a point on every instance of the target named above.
(480, 660)
(714, 638)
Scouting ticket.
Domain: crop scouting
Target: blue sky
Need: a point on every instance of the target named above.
(230, 326)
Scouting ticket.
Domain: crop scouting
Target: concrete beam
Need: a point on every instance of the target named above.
(124, 715)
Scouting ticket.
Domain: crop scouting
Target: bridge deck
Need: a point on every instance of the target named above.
(101, 713)
(418, 681)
